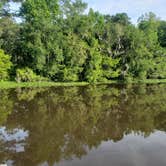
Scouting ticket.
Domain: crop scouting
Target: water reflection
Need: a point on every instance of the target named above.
(83, 125)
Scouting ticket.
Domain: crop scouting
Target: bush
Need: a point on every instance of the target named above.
(27, 75)
(5, 65)
(142, 75)
(128, 79)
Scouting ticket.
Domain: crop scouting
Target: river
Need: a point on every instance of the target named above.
(105, 125)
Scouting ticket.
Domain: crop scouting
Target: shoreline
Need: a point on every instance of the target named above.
(12, 84)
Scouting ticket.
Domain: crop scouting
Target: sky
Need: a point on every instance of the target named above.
(134, 8)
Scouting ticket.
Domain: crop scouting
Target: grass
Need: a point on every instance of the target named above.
(150, 81)
(10, 84)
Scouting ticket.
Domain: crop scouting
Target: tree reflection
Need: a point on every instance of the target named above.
(67, 122)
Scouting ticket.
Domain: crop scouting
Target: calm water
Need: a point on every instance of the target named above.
(84, 126)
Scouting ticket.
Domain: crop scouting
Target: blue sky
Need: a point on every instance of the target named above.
(134, 8)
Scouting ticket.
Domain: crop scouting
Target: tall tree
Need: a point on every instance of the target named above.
(162, 33)
(38, 34)
(149, 24)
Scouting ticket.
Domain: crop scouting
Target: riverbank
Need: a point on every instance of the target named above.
(8, 84)
(12, 84)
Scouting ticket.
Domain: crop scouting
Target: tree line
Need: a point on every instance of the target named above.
(63, 40)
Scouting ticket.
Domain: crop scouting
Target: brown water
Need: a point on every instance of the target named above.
(84, 126)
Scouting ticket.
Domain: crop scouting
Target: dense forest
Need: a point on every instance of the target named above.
(65, 41)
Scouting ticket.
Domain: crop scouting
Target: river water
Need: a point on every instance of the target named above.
(106, 125)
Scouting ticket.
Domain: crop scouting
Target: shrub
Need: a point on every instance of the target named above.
(142, 75)
(27, 75)
(5, 65)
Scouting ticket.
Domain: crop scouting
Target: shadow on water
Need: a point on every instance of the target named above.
(56, 126)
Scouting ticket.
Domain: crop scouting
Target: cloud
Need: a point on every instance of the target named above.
(134, 8)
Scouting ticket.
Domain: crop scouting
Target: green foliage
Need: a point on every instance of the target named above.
(121, 18)
(27, 75)
(75, 57)
(5, 65)
(94, 71)
(61, 41)
(158, 70)
(9, 31)
(149, 23)
(109, 67)
(38, 37)
(162, 33)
